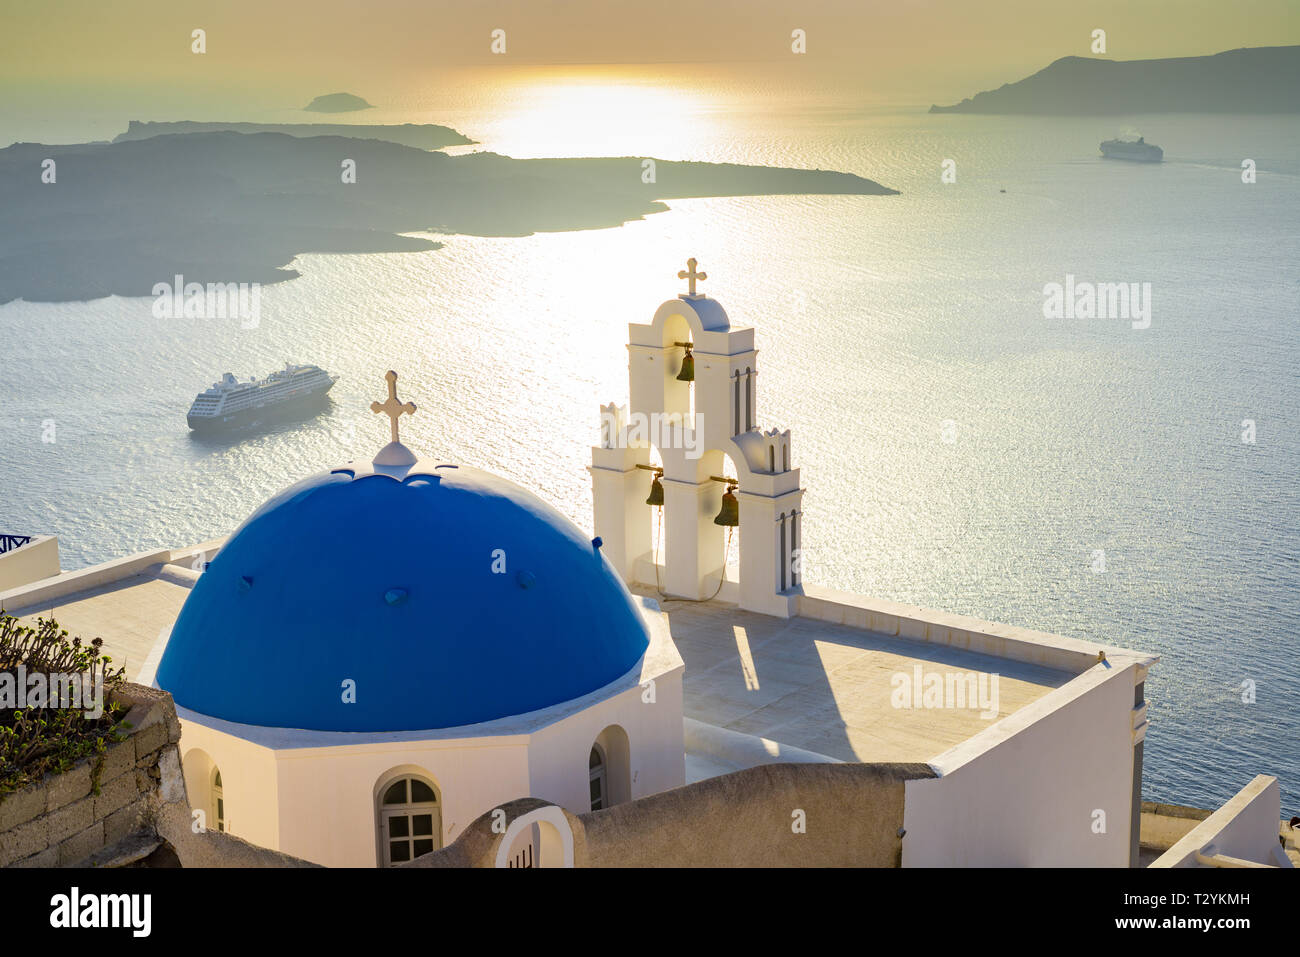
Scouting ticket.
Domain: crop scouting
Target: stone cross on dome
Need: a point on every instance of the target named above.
(392, 407)
(394, 459)
(691, 275)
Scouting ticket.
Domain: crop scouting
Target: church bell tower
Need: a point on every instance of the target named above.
(693, 390)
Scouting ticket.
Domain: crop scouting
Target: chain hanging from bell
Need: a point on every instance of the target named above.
(687, 373)
(656, 496)
(729, 514)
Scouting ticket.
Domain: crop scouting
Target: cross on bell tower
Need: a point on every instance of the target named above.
(392, 407)
(691, 275)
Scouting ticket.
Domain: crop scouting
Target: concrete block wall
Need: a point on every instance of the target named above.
(132, 796)
(65, 818)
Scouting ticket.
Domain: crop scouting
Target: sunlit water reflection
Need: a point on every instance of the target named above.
(879, 319)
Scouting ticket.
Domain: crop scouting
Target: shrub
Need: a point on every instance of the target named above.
(49, 739)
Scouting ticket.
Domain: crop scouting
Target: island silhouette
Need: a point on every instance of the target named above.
(424, 136)
(337, 103)
(226, 206)
(1250, 80)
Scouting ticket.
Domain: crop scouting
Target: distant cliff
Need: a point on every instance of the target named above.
(423, 136)
(1253, 80)
(229, 207)
(337, 103)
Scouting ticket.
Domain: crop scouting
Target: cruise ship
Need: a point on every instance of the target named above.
(1139, 150)
(231, 404)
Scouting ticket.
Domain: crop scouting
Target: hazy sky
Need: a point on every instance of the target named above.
(906, 49)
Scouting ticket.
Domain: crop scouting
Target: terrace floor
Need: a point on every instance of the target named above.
(827, 688)
(129, 614)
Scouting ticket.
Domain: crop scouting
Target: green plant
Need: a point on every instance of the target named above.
(49, 739)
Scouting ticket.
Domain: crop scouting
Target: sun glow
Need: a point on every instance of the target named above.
(593, 115)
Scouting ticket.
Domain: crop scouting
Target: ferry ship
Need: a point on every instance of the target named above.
(1141, 150)
(231, 404)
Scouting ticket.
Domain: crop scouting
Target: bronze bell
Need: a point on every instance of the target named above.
(656, 492)
(687, 373)
(729, 514)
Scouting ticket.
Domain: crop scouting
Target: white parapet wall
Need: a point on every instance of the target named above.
(1242, 833)
(29, 563)
(56, 586)
(46, 591)
(957, 631)
(1048, 786)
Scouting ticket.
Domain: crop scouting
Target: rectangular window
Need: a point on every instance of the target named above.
(735, 415)
(783, 556)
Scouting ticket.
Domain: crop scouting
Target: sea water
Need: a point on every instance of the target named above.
(960, 449)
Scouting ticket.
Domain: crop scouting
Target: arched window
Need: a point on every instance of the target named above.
(410, 819)
(597, 779)
(218, 801)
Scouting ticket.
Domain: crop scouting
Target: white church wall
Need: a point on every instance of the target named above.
(313, 794)
(248, 781)
(1036, 788)
(656, 753)
(338, 784)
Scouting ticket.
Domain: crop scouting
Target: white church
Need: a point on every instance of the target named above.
(431, 641)
(387, 652)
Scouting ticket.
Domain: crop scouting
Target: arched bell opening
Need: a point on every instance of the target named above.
(679, 370)
(655, 501)
(719, 520)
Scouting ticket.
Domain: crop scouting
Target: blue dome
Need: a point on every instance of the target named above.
(391, 583)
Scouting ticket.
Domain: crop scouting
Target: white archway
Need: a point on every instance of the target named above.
(540, 838)
(200, 772)
(614, 749)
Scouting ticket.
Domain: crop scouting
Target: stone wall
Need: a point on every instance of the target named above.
(1164, 825)
(118, 807)
(65, 818)
(849, 815)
